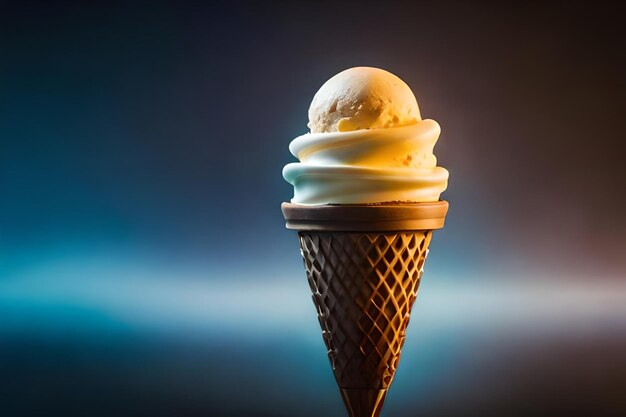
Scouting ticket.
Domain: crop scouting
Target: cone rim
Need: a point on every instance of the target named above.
(391, 217)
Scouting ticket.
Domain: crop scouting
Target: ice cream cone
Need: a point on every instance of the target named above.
(364, 264)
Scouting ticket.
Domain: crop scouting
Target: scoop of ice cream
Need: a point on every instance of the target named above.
(362, 98)
(383, 154)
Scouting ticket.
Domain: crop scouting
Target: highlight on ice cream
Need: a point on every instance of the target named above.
(367, 144)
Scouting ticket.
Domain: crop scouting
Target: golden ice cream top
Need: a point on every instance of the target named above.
(367, 144)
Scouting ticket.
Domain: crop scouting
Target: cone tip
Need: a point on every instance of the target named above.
(363, 402)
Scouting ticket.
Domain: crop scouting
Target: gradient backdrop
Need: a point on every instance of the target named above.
(144, 265)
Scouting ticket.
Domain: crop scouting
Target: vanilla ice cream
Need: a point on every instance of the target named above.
(368, 144)
(362, 98)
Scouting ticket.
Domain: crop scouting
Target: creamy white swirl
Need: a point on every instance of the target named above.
(367, 166)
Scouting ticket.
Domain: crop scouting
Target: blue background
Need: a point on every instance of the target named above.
(144, 264)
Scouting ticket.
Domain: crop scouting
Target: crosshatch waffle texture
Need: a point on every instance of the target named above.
(364, 285)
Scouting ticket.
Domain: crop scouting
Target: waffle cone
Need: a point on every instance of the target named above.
(364, 283)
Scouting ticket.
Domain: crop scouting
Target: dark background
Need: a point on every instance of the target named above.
(144, 264)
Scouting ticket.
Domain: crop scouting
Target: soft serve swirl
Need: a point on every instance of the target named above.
(367, 166)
